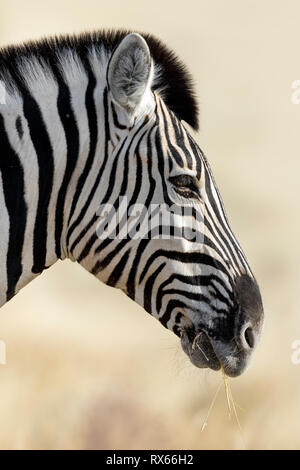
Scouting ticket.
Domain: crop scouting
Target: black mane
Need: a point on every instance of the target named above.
(174, 79)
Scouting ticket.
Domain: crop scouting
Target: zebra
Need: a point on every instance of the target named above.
(92, 118)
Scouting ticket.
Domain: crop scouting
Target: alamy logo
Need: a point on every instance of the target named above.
(157, 221)
(2, 353)
(2, 93)
(295, 98)
(295, 357)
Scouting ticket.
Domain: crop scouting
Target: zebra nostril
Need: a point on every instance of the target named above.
(249, 337)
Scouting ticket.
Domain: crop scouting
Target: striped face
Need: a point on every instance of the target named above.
(165, 239)
(97, 166)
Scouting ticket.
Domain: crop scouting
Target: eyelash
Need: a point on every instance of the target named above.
(186, 186)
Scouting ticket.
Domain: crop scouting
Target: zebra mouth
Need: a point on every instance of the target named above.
(199, 349)
(206, 353)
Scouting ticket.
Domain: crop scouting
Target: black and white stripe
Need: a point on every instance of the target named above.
(85, 123)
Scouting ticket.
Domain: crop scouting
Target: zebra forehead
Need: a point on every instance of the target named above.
(172, 79)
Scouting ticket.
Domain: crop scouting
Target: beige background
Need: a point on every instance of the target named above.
(86, 367)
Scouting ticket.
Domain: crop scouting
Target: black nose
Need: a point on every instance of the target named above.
(250, 312)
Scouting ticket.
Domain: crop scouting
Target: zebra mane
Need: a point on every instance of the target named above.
(172, 80)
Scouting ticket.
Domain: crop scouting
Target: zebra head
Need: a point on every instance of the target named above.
(171, 248)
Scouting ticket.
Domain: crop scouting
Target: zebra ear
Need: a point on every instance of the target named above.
(129, 72)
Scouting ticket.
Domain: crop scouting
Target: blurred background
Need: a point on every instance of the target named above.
(86, 366)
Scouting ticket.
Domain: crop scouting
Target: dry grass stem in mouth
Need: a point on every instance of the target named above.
(227, 390)
(196, 345)
(211, 407)
(232, 405)
(230, 402)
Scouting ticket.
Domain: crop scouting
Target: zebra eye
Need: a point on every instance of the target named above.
(185, 185)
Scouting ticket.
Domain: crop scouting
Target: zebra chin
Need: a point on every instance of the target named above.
(207, 353)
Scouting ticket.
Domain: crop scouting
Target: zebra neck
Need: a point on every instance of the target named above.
(52, 140)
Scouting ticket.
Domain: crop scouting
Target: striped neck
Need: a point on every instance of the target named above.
(54, 140)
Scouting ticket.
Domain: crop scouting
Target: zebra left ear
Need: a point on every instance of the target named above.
(129, 72)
